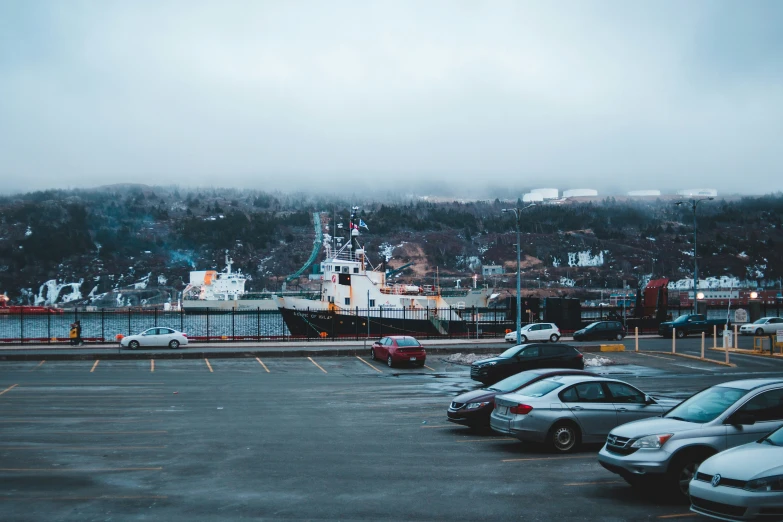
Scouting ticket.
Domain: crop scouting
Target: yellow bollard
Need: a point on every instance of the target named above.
(703, 334)
(636, 334)
(736, 341)
(674, 331)
(715, 336)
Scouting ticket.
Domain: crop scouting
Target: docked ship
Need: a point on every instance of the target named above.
(210, 290)
(5, 308)
(356, 300)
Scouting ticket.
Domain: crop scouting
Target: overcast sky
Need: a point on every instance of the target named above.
(468, 96)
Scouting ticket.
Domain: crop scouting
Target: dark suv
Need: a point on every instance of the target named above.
(601, 330)
(526, 357)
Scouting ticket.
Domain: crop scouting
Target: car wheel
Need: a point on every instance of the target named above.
(759, 331)
(564, 437)
(389, 362)
(680, 334)
(682, 470)
(133, 345)
(619, 337)
(372, 354)
(523, 339)
(173, 344)
(554, 338)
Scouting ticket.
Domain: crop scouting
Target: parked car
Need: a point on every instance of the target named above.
(535, 332)
(764, 326)
(601, 330)
(690, 324)
(473, 408)
(526, 357)
(742, 483)
(667, 451)
(565, 411)
(399, 349)
(158, 336)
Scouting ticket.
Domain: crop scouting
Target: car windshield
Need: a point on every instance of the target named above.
(591, 326)
(681, 319)
(775, 438)
(706, 405)
(407, 341)
(511, 352)
(514, 382)
(761, 321)
(540, 388)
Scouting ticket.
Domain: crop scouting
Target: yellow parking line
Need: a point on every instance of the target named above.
(102, 497)
(94, 365)
(679, 515)
(8, 389)
(655, 356)
(147, 432)
(152, 365)
(39, 365)
(262, 364)
(368, 364)
(433, 369)
(87, 470)
(597, 482)
(319, 366)
(208, 365)
(493, 439)
(78, 448)
(549, 458)
(440, 426)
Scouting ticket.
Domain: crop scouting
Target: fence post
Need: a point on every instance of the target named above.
(207, 324)
(49, 327)
(258, 323)
(636, 335)
(181, 319)
(129, 321)
(233, 333)
(674, 332)
(21, 325)
(154, 317)
(103, 325)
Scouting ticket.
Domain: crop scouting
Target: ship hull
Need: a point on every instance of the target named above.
(239, 304)
(316, 323)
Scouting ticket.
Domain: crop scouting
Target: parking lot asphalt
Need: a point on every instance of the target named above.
(315, 438)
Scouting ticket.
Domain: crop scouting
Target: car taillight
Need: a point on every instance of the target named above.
(520, 409)
(580, 356)
(184, 335)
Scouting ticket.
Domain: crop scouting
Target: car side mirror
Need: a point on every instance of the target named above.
(648, 399)
(741, 419)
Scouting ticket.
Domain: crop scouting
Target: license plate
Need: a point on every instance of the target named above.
(502, 410)
(413, 358)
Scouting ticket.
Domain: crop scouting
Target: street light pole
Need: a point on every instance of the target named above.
(517, 214)
(694, 204)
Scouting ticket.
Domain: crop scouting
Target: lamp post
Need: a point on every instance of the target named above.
(517, 213)
(694, 204)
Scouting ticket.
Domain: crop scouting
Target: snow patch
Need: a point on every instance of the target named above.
(28, 232)
(468, 358)
(143, 282)
(49, 293)
(597, 360)
(564, 281)
(162, 280)
(585, 258)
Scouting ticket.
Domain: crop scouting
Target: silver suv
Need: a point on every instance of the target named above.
(670, 449)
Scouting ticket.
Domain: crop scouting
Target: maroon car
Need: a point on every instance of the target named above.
(474, 408)
(398, 349)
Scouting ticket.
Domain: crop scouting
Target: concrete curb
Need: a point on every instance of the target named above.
(742, 351)
(722, 363)
(185, 353)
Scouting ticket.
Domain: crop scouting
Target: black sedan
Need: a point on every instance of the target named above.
(474, 408)
(526, 357)
(601, 331)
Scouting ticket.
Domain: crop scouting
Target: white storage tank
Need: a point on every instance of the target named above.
(580, 193)
(531, 197)
(704, 193)
(547, 193)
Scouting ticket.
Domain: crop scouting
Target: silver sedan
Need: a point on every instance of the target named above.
(159, 336)
(564, 411)
(763, 326)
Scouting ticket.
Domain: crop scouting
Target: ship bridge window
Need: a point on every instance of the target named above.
(336, 268)
(372, 303)
(348, 301)
(356, 270)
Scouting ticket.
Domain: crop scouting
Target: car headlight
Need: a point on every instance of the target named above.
(761, 485)
(476, 405)
(652, 441)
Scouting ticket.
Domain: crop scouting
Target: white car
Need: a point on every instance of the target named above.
(743, 483)
(158, 336)
(764, 326)
(535, 332)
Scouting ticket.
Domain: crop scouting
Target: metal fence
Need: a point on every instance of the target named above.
(105, 326)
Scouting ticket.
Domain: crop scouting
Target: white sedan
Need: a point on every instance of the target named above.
(764, 326)
(535, 332)
(159, 336)
(742, 483)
